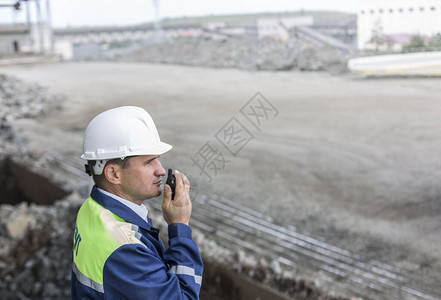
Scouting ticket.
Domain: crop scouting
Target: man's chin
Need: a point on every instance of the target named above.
(158, 193)
(154, 194)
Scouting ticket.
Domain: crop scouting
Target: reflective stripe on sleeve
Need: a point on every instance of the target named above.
(86, 280)
(183, 270)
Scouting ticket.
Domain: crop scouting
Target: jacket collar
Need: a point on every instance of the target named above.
(119, 209)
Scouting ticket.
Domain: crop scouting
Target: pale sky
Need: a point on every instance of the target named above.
(125, 12)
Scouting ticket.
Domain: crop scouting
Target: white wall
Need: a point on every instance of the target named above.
(7, 43)
(278, 27)
(64, 48)
(10, 34)
(397, 17)
(41, 36)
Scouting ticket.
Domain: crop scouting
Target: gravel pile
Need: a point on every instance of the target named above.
(19, 99)
(35, 249)
(242, 53)
(24, 100)
(32, 263)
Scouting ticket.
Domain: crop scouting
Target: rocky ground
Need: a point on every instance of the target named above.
(348, 161)
(36, 245)
(25, 100)
(36, 240)
(245, 53)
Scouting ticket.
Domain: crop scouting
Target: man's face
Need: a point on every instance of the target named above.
(141, 179)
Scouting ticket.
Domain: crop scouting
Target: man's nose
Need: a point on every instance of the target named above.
(160, 171)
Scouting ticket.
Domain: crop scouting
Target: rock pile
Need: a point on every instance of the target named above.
(35, 249)
(33, 239)
(20, 99)
(23, 100)
(246, 53)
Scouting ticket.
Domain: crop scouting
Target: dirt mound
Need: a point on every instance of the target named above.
(19, 99)
(36, 243)
(246, 53)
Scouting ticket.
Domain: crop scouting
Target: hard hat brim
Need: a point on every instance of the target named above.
(157, 149)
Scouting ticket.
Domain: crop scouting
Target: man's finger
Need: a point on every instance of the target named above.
(185, 179)
(178, 176)
(187, 184)
(167, 195)
(184, 182)
(179, 183)
(182, 178)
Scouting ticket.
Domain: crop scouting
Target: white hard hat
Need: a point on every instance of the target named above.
(121, 132)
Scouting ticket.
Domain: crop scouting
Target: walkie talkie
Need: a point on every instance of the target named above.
(171, 181)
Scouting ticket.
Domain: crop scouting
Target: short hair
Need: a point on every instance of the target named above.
(123, 163)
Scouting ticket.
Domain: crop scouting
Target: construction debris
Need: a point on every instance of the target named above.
(35, 258)
(246, 53)
(24, 100)
(21, 100)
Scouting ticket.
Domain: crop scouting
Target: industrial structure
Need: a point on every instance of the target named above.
(397, 21)
(31, 32)
(34, 36)
(280, 26)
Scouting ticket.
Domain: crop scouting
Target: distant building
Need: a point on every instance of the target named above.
(90, 38)
(41, 39)
(379, 19)
(344, 30)
(21, 38)
(279, 27)
(215, 25)
(34, 36)
(12, 38)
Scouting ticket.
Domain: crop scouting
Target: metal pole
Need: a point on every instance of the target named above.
(157, 23)
(28, 15)
(28, 18)
(14, 16)
(49, 23)
(40, 26)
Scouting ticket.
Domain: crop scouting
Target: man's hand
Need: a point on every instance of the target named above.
(179, 209)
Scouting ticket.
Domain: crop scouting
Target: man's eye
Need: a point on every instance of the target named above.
(150, 161)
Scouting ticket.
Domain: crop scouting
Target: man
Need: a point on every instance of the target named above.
(117, 252)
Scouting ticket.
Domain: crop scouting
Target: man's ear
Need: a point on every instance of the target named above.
(113, 173)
